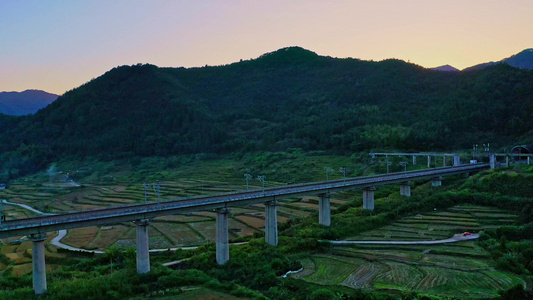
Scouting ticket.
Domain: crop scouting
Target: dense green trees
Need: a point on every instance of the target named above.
(288, 98)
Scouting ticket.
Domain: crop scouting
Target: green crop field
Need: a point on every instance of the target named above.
(461, 269)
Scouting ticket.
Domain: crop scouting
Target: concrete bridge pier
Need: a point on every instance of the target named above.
(444, 161)
(429, 161)
(405, 189)
(437, 181)
(39, 266)
(414, 160)
(222, 243)
(143, 246)
(507, 160)
(271, 223)
(324, 210)
(493, 161)
(528, 160)
(456, 160)
(368, 198)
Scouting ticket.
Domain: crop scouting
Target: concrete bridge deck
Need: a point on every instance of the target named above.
(141, 214)
(43, 224)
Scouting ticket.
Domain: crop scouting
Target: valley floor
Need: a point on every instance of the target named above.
(460, 269)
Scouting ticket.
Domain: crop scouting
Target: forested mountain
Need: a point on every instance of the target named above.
(522, 60)
(24, 103)
(446, 68)
(288, 98)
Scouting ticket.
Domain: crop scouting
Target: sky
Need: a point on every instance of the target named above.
(57, 46)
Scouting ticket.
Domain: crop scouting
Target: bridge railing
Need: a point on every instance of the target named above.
(198, 201)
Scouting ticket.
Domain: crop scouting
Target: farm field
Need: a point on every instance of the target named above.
(184, 230)
(461, 269)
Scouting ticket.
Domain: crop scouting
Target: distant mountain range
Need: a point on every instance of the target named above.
(24, 103)
(446, 68)
(522, 60)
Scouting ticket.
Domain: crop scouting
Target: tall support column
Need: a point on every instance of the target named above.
(414, 160)
(324, 210)
(528, 160)
(456, 160)
(437, 181)
(507, 160)
(222, 236)
(429, 161)
(143, 246)
(444, 160)
(271, 223)
(368, 198)
(492, 161)
(39, 266)
(405, 189)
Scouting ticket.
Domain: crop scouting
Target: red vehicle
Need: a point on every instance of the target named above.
(467, 233)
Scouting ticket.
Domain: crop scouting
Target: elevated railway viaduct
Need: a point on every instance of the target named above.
(141, 214)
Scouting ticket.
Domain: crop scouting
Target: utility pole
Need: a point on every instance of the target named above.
(262, 179)
(404, 164)
(328, 169)
(343, 171)
(145, 192)
(158, 185)
(247, 177)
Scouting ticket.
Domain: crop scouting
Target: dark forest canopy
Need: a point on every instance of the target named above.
(290, 98)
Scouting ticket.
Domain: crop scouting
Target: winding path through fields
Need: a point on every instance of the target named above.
(456, 238)
(62, 233)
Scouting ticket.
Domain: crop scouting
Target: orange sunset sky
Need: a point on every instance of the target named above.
(58, 45)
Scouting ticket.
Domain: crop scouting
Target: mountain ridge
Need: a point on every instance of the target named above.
(445, 68)
(25, 102)
(287, 99)
(521, 60)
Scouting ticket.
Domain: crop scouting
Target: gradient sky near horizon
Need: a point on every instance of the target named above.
(58, 45)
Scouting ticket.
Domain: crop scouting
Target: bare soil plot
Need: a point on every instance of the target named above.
(206, 229)
(253, 221)
(81, 237)
(23, 269)
(180, 234)
(107, 235)
(159, 242)
(240, 229)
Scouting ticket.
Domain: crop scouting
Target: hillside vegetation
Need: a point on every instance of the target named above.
(498, 265)
(290, 98)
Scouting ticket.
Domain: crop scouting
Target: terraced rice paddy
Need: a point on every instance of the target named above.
(185, 230)
(461, 269)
